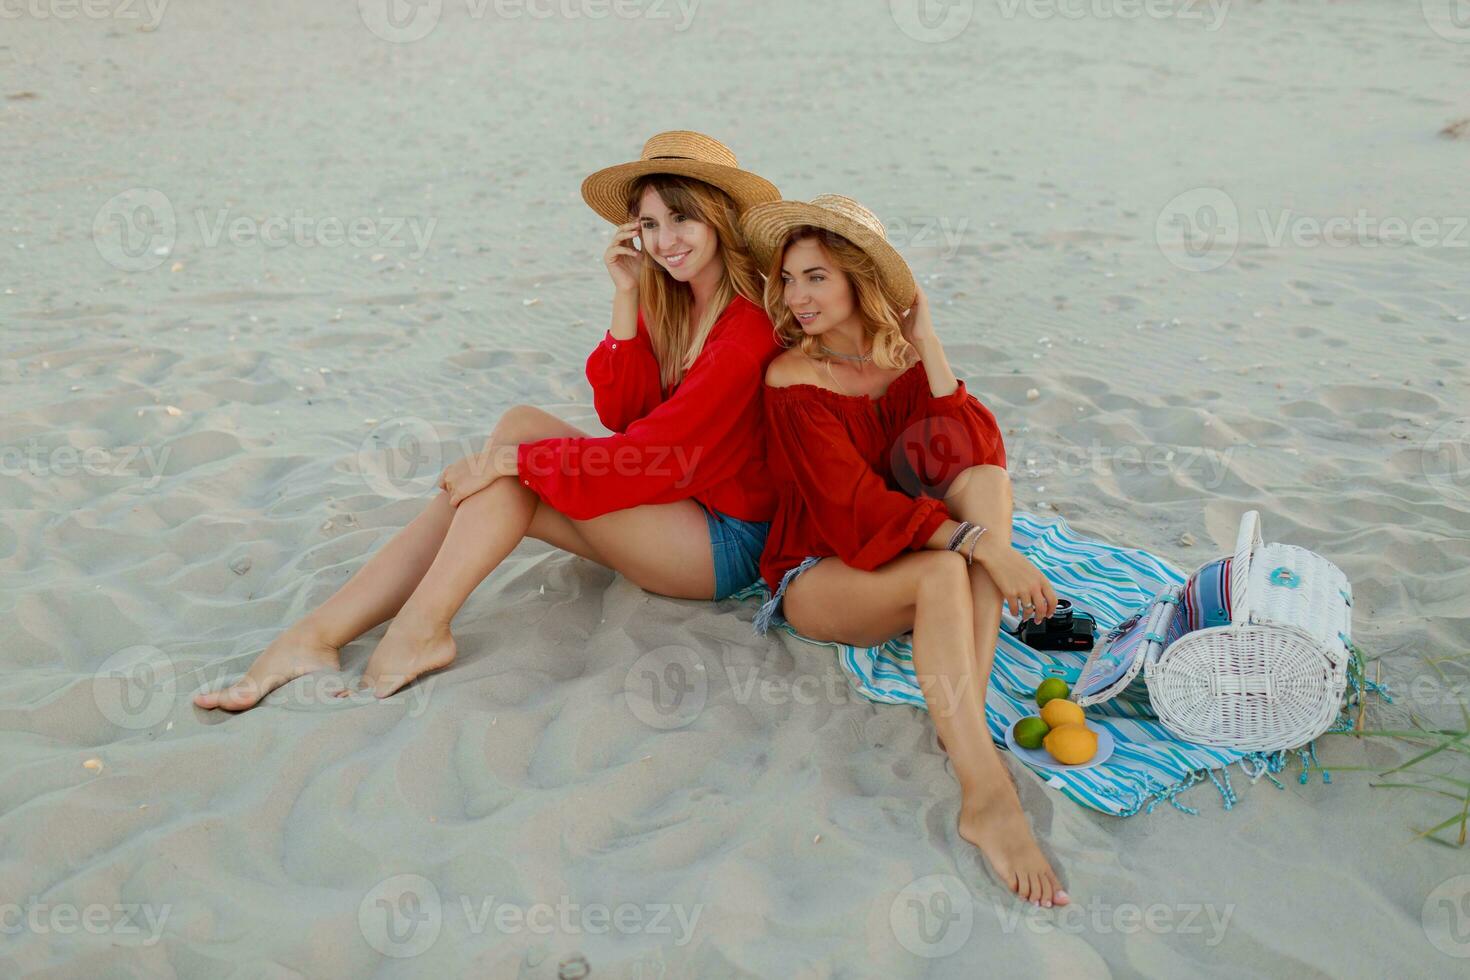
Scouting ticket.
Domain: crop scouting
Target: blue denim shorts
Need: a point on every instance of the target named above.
(736, 545)
(769, 613)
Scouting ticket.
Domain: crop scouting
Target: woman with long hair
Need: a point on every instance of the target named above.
(895, 506)
(676, 499)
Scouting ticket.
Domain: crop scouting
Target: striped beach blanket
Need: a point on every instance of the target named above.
(1149, 765)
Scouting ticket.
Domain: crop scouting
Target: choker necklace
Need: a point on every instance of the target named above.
(859, 358)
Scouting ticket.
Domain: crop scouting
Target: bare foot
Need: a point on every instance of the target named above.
(997, 825)
(411, 647)
(295, 652)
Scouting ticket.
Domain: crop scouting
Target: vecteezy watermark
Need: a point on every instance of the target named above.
(932, 21)
(667, 688)
(1445, 457)
(135, 230)
(927, 233)
(1363, 230)
(301, 230)
(136, 688)
(932, 916)
(148, 12)
(1210, 12)
(1098, 917)
(68, 461)
(328, 689)
(402, 917)
(675, 463)
(1446, 917)
(1447, 685)
(405, 456)
(1207, 467)
(405, 21)
(929, 453)
(1200, 229)
(138, 229)
(1450, 19)
(401, 457)
(121, 919)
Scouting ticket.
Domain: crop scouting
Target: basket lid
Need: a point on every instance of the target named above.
(1116, 661)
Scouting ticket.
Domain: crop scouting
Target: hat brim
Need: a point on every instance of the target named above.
(767, 225)
(606, 191)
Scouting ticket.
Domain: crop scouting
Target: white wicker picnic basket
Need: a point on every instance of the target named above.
(1274, 677)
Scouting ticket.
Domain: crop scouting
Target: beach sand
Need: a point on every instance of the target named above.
(200, 429)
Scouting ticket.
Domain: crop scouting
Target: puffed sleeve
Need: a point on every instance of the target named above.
(857, 514)
(940, 437)
(625, 378)
(676, 451)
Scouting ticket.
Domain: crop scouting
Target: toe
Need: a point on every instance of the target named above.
(241, 695)
(1044, 882)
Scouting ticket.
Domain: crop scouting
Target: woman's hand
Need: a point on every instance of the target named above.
(1020, 583)
(476, 471)
(622, 259)
(917, 324)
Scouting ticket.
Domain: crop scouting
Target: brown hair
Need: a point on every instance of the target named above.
(880, 318)
(668, 303)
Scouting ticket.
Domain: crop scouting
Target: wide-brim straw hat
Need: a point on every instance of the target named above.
(684, 154)
(767, 225)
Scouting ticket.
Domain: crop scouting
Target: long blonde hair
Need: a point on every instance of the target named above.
(879, 317)
(667, 303)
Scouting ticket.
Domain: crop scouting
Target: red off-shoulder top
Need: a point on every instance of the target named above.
(862, 478)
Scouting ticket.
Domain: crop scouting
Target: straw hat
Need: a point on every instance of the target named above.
(767, 225)
(684, 154)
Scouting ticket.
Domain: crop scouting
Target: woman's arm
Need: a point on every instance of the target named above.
(918, 330)
(623, 370)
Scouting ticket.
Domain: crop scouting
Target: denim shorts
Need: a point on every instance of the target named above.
(770, 612)
(736, 545)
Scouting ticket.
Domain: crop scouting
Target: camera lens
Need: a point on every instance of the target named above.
(1063, 615)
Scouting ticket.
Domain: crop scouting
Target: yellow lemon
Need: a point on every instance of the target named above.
(1061, 712)
(1071, 745)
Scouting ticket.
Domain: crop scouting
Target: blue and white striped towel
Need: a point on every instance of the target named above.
(1149, 765)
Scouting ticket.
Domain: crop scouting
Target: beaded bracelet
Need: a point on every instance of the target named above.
(976, 540)
(959, 535)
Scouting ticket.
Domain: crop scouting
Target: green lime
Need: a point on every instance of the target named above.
(1030, 732)
(1051, 689)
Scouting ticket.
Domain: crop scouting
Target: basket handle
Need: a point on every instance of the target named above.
(1246, 543)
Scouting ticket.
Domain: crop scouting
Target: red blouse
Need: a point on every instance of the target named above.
(702, 440)
(861, 478)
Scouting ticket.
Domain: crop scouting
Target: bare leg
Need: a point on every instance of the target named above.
(378, 590)
(486, 527)
(373, 595)
(982, 494)
(935, 594)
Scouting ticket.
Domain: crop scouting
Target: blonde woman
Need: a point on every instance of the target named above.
(676, 499)
(895, 506)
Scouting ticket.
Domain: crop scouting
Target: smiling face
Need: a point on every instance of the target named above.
(682, 245)
(817, 292)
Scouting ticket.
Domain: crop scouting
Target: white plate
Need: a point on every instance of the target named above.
(1042, 759)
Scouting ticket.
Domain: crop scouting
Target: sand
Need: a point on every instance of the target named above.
(358, 244)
